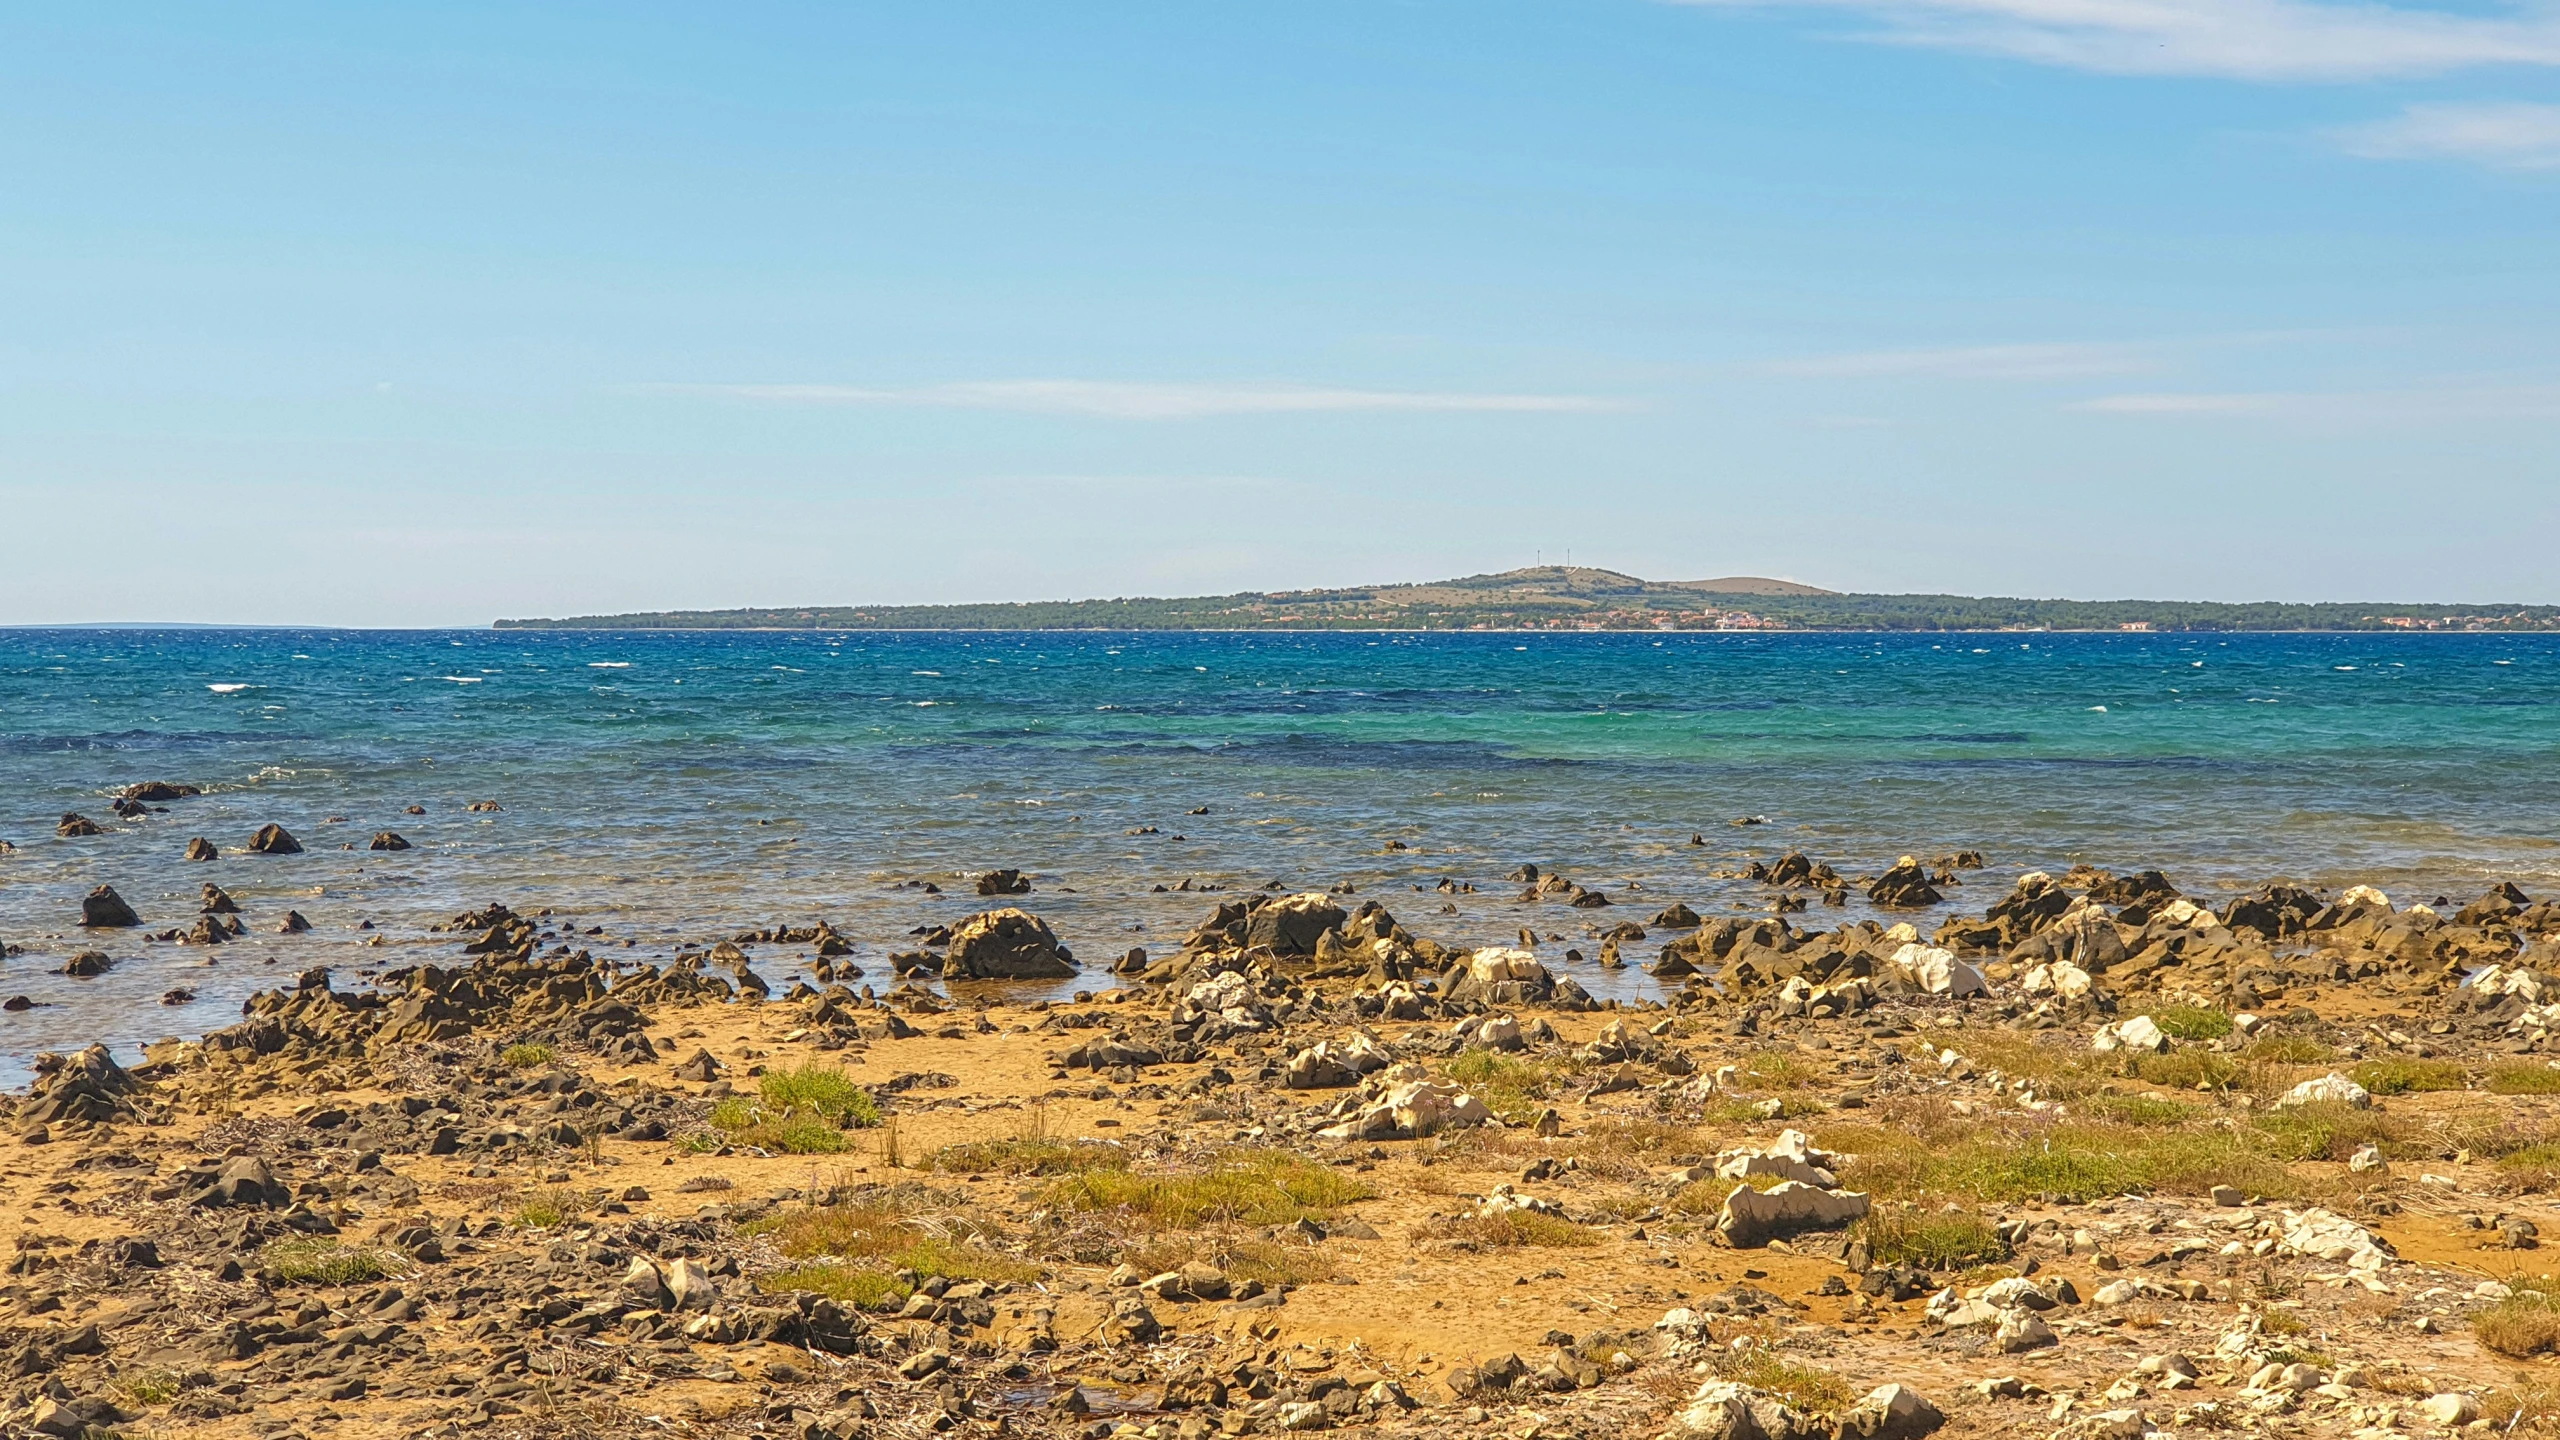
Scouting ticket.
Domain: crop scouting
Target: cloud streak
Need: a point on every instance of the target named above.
(2057, 361)
(1128, 400)
(2343, 408)
(2504, 135)
(2263, 40)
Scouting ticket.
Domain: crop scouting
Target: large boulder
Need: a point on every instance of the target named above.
(274, 840)
(1292, 924)
(104, 909)
(1007, 944)
(1753, 1218)
(84, 1086)
(1933, 971)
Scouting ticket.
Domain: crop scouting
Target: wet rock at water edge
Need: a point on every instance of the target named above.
(292, 923)
(1004, 882)
(88, 963)
(1006, 944)
(1906, 886)
(389, 840)
(218, 902)
(104, 909)
(156, 791)
(201, 849)
(75, 825)
(274, 840)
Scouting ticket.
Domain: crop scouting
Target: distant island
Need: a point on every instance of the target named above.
(1560, 597)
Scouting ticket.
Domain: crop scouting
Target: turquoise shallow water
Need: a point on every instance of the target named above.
(678, 785)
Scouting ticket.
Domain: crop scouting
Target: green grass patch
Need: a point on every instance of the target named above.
(1511, 1086)
(1754, 1112)
(1252, 1187)
(1242, 1258)
(155, 1385)
(2191, 1070)
(2406, 1077)
(2077, 1161)
(549, 1208)
(1028, 1156)
(819, 1090)
(1933, 1239)
(857, 1286)
(1513, 1229)
(2327, 1131)
(2288, 1050)
(797, 1112)
(1809, 1388)
(2517, 1078)
(527, 1056)
(2143, 1110)
(1774, 1070)
(2189, 1022)
(847, 1242)
(2525, 1323)
(321, 1261)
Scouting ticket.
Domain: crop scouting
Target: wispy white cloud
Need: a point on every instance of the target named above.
(2058, 361)
(2272, 40)
(2427, 404)
(1126, 400)
(2505, 135)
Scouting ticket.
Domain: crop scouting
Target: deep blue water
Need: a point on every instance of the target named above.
(674, 785)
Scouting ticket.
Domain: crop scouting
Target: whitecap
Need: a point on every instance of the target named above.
(2097, 709)
(461, 679)
(231, 689)
(929, 674)
(608, 664)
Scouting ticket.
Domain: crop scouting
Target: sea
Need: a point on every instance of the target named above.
(670, 788)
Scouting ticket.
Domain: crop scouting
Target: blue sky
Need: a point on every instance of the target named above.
(421, 315)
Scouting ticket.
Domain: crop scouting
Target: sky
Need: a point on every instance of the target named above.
(426, 315)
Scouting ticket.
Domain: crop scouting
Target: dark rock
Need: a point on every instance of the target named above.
(243, 1180)
(1293, 924)
(75, 825)
(1004, 882)
(1678, 917)
(156, 791)
(292, 923)
(201, 849)
(2147, 887)
(1006, 945)
(274, 840)
(217, 902)
(87, 963)
(180, 996)
(1906, 886)
(388, 840)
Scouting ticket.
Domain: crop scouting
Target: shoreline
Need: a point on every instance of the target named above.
(1314, 1169)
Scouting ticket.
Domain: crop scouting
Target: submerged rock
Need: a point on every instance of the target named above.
(104, 909)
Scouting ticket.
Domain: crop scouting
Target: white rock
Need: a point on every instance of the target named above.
(2366, 1160)
(2364, 895)
(2116, 1292)
(1493, 965)
(1789, 1157)
(2138, 1035)
(1754, 1217)
(1939, 972)
(2330, 1087)
(2323, 1235)
(690, 1287)
(2453, 1407)
(2058, 978)
(2020, 1332)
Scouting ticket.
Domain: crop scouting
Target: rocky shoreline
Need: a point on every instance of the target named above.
(2098, 1159)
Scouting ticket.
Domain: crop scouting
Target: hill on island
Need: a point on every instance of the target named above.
(1561, 597)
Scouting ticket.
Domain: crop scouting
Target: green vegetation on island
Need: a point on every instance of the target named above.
(1556, 597)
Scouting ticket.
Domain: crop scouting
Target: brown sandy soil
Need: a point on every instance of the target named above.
(384, 1289)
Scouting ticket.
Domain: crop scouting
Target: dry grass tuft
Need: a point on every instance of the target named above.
(1246, 1187)
(2525, 1323)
